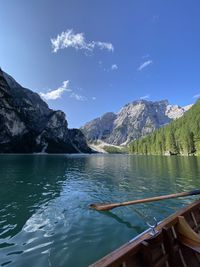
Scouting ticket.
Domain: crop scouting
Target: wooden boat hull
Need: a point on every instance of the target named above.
(172, 246)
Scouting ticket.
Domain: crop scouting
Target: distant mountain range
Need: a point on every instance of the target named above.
(134, 120)
(28, 125)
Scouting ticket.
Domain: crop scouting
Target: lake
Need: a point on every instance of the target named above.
(44, 214)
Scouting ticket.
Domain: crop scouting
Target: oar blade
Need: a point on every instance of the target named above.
(100, 207)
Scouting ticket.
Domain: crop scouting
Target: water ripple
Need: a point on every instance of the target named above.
(48, 221)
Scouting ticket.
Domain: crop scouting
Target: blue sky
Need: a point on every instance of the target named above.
(87, 57)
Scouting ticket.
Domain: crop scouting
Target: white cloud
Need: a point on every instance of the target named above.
(57, 93)
(145, 97)
(103, 45)
(78, 97)
(114, 67)
(81, 97)
(196, 96)
(145, 64)
(77, 40)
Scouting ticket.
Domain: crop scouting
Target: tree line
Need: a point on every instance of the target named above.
(181, 136)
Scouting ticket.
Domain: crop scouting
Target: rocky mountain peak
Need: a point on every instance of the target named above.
(10, 80)
(29, 125)
(135, 119)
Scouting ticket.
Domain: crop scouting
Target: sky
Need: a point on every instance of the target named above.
(88, 57)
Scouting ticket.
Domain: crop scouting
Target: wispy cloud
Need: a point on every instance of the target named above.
(57, 93)
(145, 64)
(82, 98)
(145, 97)
(78, 97)
(114, 67)
(77, 40)
(196, 96)
(102, 45)
(107, 68)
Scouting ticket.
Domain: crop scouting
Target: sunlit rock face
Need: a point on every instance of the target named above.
(100, 128)
(28, 125)
(133, 121)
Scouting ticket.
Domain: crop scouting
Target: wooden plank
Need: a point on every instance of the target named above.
(132, 247)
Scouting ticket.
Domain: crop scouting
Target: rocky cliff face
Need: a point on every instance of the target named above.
(27, 124)
(134, 120)
(100, 128)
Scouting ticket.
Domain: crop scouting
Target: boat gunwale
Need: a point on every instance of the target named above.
(134, 244)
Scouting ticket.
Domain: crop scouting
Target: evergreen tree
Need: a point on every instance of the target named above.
(181, 136)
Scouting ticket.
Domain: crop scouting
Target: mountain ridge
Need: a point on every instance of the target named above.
(28, 125)
(180, 137)
(134, 120)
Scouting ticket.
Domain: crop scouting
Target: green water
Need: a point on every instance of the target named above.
(44, 215)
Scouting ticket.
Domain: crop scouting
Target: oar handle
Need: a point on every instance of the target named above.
(109, 206)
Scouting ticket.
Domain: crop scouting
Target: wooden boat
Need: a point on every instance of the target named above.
(175, 243)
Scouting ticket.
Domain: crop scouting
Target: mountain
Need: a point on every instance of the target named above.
(28, 125)
(133, 121)
(181, 136)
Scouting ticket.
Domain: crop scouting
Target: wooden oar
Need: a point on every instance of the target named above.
(109, 206)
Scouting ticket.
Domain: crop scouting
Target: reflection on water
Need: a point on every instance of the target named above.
(44, 214)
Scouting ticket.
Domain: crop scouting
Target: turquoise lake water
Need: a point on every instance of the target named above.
(44, 215)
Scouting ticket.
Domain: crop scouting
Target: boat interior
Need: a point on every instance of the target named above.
(175, 243)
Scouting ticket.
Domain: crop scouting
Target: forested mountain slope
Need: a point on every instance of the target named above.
(181, 136)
